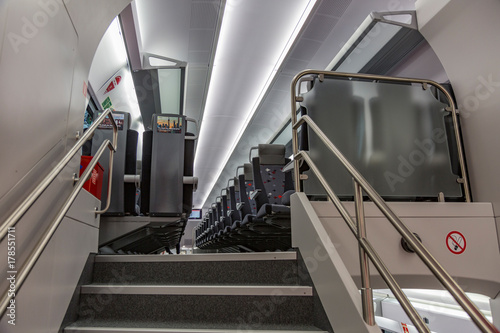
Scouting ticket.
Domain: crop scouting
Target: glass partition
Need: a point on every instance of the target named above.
(398, 136)
(170, 86)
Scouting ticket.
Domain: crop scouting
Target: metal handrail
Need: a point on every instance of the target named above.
(362, 185)
(366, 248)
(35, 194)
(28, 265)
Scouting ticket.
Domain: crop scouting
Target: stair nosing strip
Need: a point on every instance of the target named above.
(198, 290)
(258, 256)
(170, 330)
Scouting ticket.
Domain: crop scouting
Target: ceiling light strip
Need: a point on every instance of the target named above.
(264, 89)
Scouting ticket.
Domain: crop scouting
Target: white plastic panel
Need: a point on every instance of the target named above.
(43, 300)
(463, 35)
(433, 222)
(35, 91)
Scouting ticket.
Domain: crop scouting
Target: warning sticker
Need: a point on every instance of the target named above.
(405, 328)
(455, 242)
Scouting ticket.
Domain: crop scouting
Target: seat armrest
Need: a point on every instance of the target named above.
(254, 194)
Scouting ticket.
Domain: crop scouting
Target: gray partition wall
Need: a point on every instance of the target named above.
(394, 134)
(167, 165)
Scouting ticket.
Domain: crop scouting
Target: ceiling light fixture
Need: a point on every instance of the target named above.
(219, 79)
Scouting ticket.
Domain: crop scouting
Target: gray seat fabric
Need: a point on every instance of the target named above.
(270, 209)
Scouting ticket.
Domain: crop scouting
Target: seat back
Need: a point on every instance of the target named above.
(187, 192)
(130, 190)
(103, 132)
(234, 199)
(147, 144)
(268, 174)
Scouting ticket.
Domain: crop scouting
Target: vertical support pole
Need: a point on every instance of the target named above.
(366, 290)
(295, 137)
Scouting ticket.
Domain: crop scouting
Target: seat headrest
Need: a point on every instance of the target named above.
(247, 170)
(236, 184)
(271, 154)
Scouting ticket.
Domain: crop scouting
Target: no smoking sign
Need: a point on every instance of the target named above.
(456, 242)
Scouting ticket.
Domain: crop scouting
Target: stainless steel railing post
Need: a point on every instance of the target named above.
(366, 289)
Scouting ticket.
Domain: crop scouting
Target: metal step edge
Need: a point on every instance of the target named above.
(198, 290)
(257, 256)
(75, 329)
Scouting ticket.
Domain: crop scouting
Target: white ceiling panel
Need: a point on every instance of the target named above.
(204, 14)
(196, 75)
(164, 27)
(345, 16)
(245, 70)
(185, 31)
(200, 40)
(337, 8)
(293, 66)
(320, 28)
(305, 49)
(252, 39)
(198, 57)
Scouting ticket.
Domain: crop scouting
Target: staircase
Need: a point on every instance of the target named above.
(261, 292)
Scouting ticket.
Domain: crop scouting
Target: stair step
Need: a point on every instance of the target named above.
(198, 290)
(273, 268)
(254, 256)
(203, 311)
(77, 329)
(212, 293)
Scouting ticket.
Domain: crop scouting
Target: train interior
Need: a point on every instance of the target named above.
(265, 166)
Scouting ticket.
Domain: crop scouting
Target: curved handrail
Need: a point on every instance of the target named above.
(30, 262)
(438, 271)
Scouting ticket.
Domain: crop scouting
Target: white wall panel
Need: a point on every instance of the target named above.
(36, 74)
(464, 36)
(44, 61)
(44, 298)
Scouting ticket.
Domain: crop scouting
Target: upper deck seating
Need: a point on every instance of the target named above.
(270, 183)
(258, 224)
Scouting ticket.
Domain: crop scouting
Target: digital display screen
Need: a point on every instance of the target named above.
(166, 124)
(106, 124)
(195, 214)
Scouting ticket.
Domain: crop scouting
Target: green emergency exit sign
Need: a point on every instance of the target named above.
(107, 103)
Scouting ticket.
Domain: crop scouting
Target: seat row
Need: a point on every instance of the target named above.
(253, 212)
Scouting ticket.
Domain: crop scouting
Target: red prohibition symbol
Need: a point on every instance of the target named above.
(455, 242)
